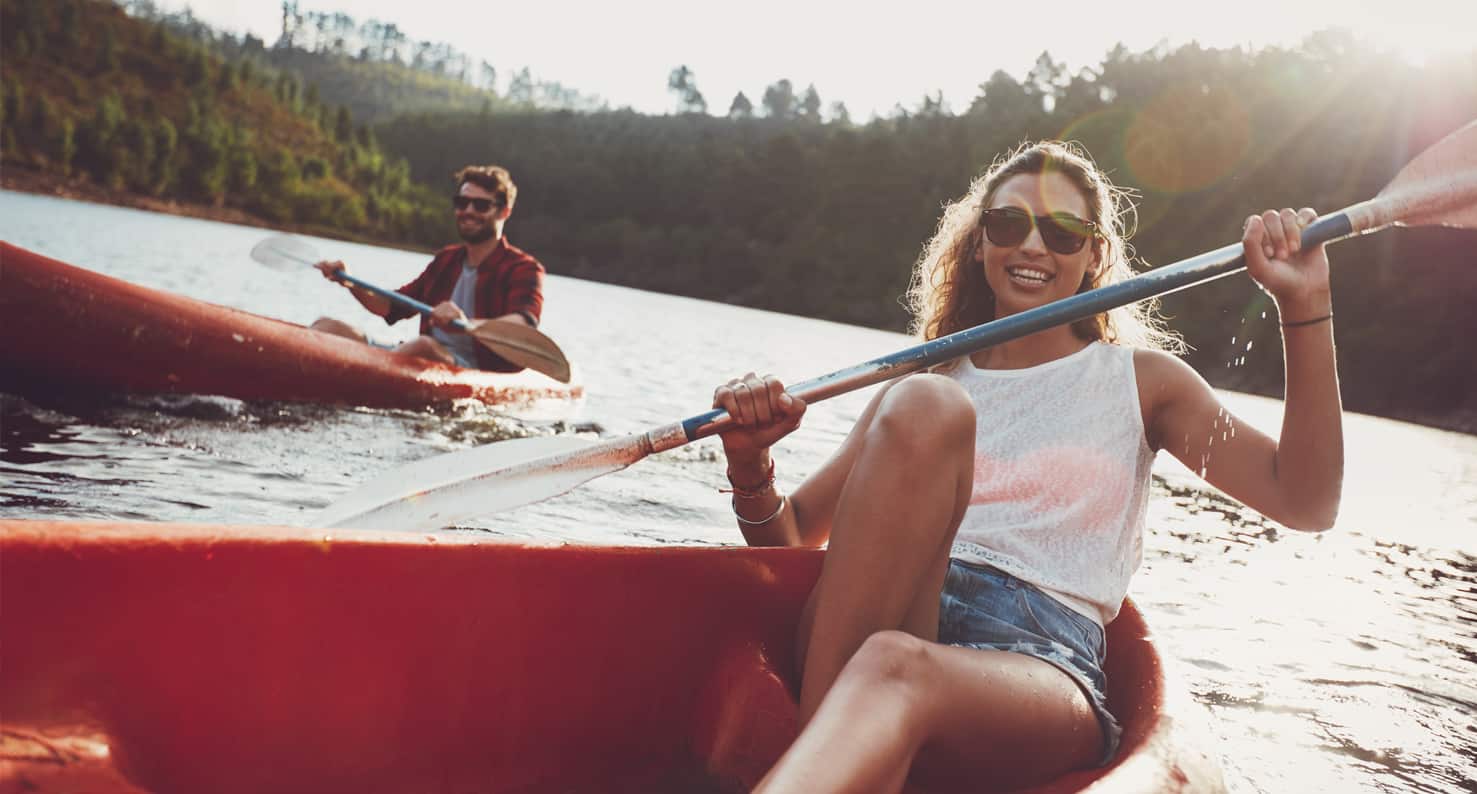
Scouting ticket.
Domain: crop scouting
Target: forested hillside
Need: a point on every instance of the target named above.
(132, 106)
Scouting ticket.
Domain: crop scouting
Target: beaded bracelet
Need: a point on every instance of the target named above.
(764, 520)
(1314, 321)
(740, 492)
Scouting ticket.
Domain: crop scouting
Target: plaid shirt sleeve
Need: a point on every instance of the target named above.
(419, 288)
(525, 289)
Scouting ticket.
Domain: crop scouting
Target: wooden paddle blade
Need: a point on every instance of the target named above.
(523, 345)
(1437, 188)
(285, 252)
(443, 490)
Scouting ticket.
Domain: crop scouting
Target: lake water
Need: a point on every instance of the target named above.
(1339, 662)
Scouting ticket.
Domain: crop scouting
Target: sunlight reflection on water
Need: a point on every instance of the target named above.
(1341, 661)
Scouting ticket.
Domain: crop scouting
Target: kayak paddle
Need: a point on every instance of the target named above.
(1438, 187)
(521, 344)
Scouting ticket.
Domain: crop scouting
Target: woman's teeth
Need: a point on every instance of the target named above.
(1028, 275)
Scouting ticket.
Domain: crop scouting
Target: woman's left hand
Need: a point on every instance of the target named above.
(1296, 278)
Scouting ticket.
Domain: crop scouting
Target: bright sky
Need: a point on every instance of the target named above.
(869, 59)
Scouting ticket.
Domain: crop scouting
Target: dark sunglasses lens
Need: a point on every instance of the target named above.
(479, 204)
(1063, 235)
(1007, 227)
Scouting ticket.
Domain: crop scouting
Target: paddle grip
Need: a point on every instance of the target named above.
(396, 297)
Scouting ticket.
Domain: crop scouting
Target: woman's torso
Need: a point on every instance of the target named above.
(1061, 478)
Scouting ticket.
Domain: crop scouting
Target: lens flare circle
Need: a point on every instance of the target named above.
(1187, 138)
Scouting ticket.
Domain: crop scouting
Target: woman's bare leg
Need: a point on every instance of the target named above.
(894, 524)
(955, 716)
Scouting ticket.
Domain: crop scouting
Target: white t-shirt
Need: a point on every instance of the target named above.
(463, 295)
(1061, 476)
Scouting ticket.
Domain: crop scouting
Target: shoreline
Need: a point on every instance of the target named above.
(22, 179)
(77, 188)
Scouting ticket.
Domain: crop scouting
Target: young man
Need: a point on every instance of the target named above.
(485, 278)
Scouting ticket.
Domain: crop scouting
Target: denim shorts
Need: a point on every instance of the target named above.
(986, 608)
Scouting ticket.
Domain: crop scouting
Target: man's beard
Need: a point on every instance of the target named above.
(481, 234)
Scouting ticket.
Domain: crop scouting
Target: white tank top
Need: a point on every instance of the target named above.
(1061, 476)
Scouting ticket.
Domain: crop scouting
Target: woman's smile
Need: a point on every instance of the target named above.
(1029, 277)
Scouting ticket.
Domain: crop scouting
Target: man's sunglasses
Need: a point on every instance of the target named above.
(479, 204)
(1062, 233)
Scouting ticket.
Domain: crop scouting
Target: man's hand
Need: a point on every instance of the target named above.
(447, 313)
(333, 270)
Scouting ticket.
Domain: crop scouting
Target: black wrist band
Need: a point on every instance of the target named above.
(1313, 321)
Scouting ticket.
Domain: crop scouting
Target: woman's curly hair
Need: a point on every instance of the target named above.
(948, 292)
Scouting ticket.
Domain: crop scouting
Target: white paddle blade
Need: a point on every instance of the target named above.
(443, 490)
(285, 252)
(1439, 186)
(523, 345)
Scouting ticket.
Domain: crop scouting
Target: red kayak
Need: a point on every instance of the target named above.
(67, 328)
(195, 658)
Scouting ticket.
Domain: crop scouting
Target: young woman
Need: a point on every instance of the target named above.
(983, 520)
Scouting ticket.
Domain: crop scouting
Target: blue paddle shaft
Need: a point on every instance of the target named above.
(1160, 281)
(396, 297)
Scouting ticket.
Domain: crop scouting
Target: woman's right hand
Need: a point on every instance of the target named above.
(333, 270)
(763, 413)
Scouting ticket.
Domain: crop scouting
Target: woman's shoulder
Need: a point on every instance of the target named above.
(1164, 378)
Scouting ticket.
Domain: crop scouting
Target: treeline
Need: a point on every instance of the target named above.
(90, 91)
(371, 67)
(824, 219)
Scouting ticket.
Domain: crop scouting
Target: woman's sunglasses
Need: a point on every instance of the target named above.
(479, 204)
(1062, 233)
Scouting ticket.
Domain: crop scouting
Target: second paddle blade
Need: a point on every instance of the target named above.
(443, 490)
(285, 252)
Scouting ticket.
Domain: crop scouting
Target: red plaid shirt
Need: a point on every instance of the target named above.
(509, 280)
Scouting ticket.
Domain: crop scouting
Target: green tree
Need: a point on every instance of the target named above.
(107, 51)
(96, 150)
(343, 125)
(136, 137)
(779, 100)
(315, 168)
(12, 103)
(683, 83)
(740, 107)
(67, 28)
(840, 115)
(197, 68)
(164, 167)
(203, 144)
(810, 105)
(241, 170)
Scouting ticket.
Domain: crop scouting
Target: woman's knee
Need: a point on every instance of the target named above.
(889, 660)
(929, 413)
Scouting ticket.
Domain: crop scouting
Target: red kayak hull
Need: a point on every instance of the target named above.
(67, 328)
(203, 658)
